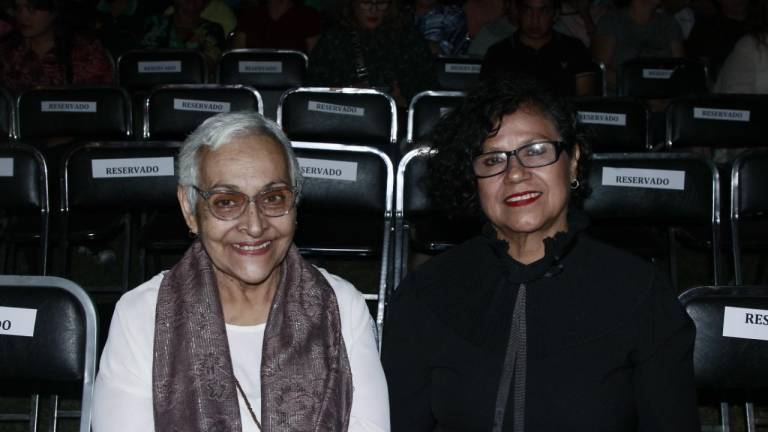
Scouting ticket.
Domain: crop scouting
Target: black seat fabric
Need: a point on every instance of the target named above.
(718, 121)
(173, 111)
(749, 211)
(633, 195)
(24, 182)
(729, 353)
(457, 73)
(270, 71)
(141, 70)
(47, 334)
(343, 116)
(662, 78)
(425, 111)
(616, 124)
(421, 225)
(77, 112)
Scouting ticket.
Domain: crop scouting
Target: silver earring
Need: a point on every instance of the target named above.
(575, 184)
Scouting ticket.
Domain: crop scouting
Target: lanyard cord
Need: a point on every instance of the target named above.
(248, 404)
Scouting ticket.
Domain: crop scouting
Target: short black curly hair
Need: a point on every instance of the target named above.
(459, 136)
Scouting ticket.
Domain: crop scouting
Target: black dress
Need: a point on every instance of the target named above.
(609, 348)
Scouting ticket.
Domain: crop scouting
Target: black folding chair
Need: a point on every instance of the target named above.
(731, 347)
(125, 178)
(270, 71)
(425, 111)
(749, 211)
(651, 202)
(342, 116)
(718, 121)
(422, 226)
(616, 124)
(458, 73)
(173, 111)
(24, 184)
(662, 77)
(47, 347)
(345, 209)
(141, 70)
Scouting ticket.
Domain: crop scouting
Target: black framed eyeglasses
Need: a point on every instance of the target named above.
(533, 155)
(377, 5)
(229, 205)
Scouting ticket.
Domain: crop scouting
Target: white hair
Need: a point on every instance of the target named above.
(221, 130)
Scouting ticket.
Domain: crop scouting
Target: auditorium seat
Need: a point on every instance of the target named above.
(270, 71)
(7, 116)
(457, 73)
(25, 217)
(749, 215)
(141, 70)
(654, 203)
(730, 349)
(616, 124)
(339, 115)
(425, 111)
(48, 349)
(345, 212)
(173, 111)
(662, 77)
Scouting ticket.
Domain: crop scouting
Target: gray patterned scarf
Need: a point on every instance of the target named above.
(306, 381)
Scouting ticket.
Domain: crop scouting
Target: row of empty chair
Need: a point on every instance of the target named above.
(361, 116)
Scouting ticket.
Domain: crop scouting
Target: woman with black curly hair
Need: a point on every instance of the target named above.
(532, 325)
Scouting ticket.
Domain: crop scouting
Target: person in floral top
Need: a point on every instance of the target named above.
(186, 29)
(43, 50)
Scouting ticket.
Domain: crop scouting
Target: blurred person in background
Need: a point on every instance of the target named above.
(746, 68)
(45, 49)
(279, 24)
(444, 25)
(372, 45)
(713, 36)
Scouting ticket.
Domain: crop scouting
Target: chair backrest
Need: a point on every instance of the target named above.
(617, 124)
(173, 111)
(342, 116)
(48, 334)
(749, 200)
(124, 176)
(7, 116)
(24, 182)
(346, 204)
(425, 111)
(458, 73)
(421, 224)
(674, 190)
(270, 71)
(662, 78)
(731, 339)
(140, 70)
(718, 121)
(78, 112)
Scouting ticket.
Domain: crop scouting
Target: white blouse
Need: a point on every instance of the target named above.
(123, 393)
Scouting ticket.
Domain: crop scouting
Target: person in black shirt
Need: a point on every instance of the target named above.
(536, 49)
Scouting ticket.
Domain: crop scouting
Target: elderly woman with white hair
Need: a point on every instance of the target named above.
(242, 333)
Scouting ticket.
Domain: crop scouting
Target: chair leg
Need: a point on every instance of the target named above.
(749, 413)
(725, 416)
(54, 410)
(34, 405)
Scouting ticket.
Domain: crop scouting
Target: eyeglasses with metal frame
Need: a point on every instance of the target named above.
(378, 5)
(533, 155)
(229, 205)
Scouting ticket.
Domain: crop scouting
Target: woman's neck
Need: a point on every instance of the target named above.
(245, 304)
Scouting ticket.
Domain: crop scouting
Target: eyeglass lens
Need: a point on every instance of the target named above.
(228, 205)
(532, 155)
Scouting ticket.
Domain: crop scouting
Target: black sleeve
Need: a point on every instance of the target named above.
(581, 58)
(664, 380)
(405, 354)
(493, 61)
